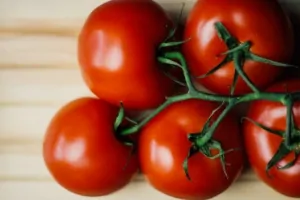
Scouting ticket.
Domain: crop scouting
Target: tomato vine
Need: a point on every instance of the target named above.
(203, 141)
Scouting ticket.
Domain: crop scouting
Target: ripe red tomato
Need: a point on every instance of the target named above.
(117, 52)
(164, 145)
(262, 145)
(263, 23)
(81, 150)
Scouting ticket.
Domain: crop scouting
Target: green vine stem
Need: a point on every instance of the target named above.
(203, 141)
(193, 93)
(289, 121)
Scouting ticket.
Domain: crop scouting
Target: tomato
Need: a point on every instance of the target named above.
(263, 23)
(117, 50)
(164, 145)
(262, 145)
(81, 150)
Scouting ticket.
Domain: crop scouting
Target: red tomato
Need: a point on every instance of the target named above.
(262, 145)
(82, 152)
(263, 23)
(164, 145)
(117, 51)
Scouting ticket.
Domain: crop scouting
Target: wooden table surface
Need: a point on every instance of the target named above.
(39, 73)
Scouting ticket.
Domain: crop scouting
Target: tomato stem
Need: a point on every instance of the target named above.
(289, 121)
(204, 138)
(208, 135)
(134, 129)
(203, 141)
(239, 60)
(168, 59)
(193, 93)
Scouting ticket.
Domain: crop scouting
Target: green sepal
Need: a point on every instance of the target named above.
(206, 151)
(279, 155)
(168, 62)
(254, 57)
(224, 35)
(131, 121)
(275, 132)
(172, 31)
(174, 79)
(234, 82)
(209, 120)
(217, 145)
(239, 60)
(241, 47)
(120, 117)
(173, 44)
(226, 60)
(290, 164)
(130, 143)
(193, 151)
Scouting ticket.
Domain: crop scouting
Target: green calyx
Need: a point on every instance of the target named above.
(206, 148)
(238, 53)
(203, 142)
(284, 149)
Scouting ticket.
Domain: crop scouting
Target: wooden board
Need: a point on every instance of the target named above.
(39, 73)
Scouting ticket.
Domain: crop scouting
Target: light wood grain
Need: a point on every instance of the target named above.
(37, 51)
(38, 74)
(40, 85)
(56, 17)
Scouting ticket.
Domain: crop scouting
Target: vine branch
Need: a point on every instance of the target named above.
(238, 53)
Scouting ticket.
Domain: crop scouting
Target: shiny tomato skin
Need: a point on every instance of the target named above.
(163, 146)
(81, 151)
(261, 145)
(117, 51)
(264, 23)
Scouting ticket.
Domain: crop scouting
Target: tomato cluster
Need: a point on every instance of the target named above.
(191, 144)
